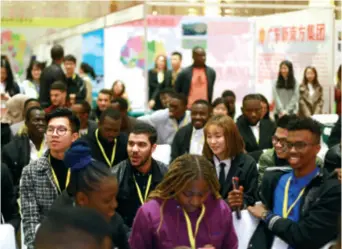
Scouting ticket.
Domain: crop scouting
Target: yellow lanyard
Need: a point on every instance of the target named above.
(56, 179)
(191, 235)
(286, 211)
(110, 163)
(41, 149)
(142, 200)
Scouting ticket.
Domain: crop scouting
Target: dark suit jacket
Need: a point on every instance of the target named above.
(267, 129)
(50, 74)
(183, 81)
(244, 167)
(181, 142)
(335, 135)
(154, 86)
(121, 148)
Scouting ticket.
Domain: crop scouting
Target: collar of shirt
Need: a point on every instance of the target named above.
(301, 182)
(34, 152)
(198, 132)
(255, 126)
(227, 162)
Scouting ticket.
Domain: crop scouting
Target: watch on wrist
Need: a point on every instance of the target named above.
(265, 214)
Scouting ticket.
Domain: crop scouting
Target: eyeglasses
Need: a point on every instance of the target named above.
(281, 141)
(297, 145)
(61, 131)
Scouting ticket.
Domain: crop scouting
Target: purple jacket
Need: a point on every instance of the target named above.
(216, 227)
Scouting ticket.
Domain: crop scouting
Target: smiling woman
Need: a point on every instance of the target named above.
(187, 197)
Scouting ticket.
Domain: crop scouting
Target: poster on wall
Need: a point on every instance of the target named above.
(72, 45)
(228, 42)
(338, 45)
(19, 34)
(93, 54)
(307, 42)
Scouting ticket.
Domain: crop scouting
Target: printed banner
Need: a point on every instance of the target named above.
(93, 54)
(307, 42)
(228, 42)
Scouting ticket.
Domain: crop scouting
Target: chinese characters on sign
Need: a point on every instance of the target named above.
(311, 32)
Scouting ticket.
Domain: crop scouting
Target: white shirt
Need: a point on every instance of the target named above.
(34, 153)
(311, 89)
(227, 162)
(196, 142)
(256, 131)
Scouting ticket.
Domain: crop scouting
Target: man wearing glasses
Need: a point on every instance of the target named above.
(277, 156)
(44, 179)
(301, 205)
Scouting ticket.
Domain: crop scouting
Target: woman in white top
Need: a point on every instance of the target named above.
(310, 94)
(285, 91)
(32, 83)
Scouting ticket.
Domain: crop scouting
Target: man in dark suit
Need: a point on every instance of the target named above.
(190, 138)
(256, 132)
(51, 74)
(107, 143)
(197, 81)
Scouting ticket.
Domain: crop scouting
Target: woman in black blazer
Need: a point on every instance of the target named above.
(224, 146)
(158, 78)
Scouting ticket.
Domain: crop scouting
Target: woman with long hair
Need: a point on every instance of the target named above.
(88, 75)
(224, 147)
(338, 92)
(286, 91)
(158, 78)
(119, 91)
(8, 87)
(32, 83)
(185, 209)
(310, 94)
(92, 185)
(220, 107)
(265, 107)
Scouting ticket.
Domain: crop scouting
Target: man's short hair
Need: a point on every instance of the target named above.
(85, 105)
(228, 93)
(144, 128)
(107, 92)
(70, 57)
(57, 52)
(251, 96)
(123, 104)
(110, 112)
(168, 91)
(69, 228)
(59, 85)
(28, 112)
(178, 54)
(202, 102)
(284, 121)
(63, 112)
(180, 96)
(307, 124)
(30, 100)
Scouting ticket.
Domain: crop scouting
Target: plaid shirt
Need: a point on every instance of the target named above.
(38, 191)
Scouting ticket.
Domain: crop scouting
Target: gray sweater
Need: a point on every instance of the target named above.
(286, 99)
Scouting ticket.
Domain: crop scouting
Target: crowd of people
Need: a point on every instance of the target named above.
(73, 176)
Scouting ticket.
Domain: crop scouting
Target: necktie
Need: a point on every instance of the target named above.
(222, 176)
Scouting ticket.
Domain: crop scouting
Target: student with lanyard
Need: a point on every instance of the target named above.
(140, 173)
(82, 110)
(92, 185)
(26, 147)
(185, 209)
(73, 228)
(301, 203)
(168, 121)
(107, 143)
(44, 179)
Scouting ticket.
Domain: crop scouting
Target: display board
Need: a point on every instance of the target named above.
(228, 41)
(300, 37)
(93, 54)
(72, 46)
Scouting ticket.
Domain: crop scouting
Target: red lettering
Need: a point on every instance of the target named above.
(301, 33)
(285, 32)
(293, 33)
(320, 32)
(311, 32)
(277, 34)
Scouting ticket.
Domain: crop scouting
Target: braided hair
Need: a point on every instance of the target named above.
(182, 171)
